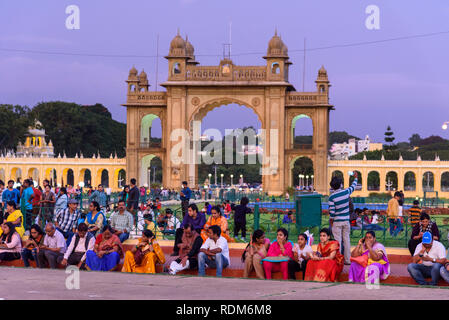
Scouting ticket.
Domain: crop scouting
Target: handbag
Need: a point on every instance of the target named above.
(138, 257)
(362, 260)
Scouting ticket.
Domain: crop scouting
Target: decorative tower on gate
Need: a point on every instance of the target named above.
(133, 81)
(322, 83)
(277, 59)
(35, 145)
(177, 58)
(143, 82)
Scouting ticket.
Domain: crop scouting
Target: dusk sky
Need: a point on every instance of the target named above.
(402, 83)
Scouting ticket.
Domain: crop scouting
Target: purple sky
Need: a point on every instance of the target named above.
(402, 83)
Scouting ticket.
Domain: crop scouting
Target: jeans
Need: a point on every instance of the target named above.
(419, 272)
(220, 262)
(27, 255)
(395, 226)
(373, 227)
(28, 218)
(444, 274)
(341, 231)
(123, 236)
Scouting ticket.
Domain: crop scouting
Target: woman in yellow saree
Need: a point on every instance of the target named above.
(216, 219)
(15, 217)
(150, 254)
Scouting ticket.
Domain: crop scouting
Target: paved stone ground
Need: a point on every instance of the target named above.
(23, 284)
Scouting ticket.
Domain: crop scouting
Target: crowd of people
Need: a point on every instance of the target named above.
(94, 241)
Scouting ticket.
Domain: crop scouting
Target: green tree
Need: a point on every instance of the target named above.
(14, 122)
(74, 128)
(389, 139)
(415, 140)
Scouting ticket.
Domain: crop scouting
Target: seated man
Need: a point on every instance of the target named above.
(67, 219)
(122, 221)
(193, 217)
(429, 256)
(189, 247)
(289, 218)
(81, 242)
(214, 252)
(53, 248)
(171, 223)
(425, 224)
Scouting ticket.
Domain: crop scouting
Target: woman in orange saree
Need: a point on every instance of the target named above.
(327, 263)
(151, 254)
(216, 219)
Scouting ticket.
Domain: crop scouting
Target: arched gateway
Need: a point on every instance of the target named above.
(193, 90)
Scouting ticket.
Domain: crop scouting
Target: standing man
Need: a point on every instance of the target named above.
(133, 197)
(100, 196)
(36, 199)
(186, 193)
(339, 214)
(26, 202)
(10, 194)
(393, 214)
(122, 222)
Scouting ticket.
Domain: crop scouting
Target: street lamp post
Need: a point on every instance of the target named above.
(210, 176)
(222, 175)
(241, 177)
(307, 180)
(232, 176)
(312, 181)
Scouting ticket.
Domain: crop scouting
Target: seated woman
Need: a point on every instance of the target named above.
(216, 219)
(189, 247)
(255, 251)
(145, 260)
(150, 225)
(327, 263)
(107, 251)
(301, 254)
(10, 243)
(370, 253)
(14, 216)
(31, 245)
(279, 253)
(95, 219)
(425, 224)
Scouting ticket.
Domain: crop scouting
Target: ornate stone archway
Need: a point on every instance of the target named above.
(193, 90)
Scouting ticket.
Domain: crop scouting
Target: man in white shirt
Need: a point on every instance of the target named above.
(214, 252)
(429, 256)
(80, 244)
(53, 248)
(301, 253)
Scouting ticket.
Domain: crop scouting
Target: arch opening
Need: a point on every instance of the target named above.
(151, 131)
(409, 181)
(373, 181)
(151, 171)
(338, 174)
(428, 181)
(302, 132)
(391, 181)
(302, 173)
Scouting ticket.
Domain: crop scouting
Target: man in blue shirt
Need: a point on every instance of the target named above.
(10, 194)
(100, 196)
(186, 193)
(26, 204)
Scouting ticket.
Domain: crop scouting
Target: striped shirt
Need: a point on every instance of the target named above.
(339, 203)
(415, 214)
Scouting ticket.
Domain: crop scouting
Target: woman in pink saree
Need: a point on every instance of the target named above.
(369, 260)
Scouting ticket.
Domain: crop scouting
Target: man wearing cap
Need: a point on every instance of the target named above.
(429, 256)
(66, 219)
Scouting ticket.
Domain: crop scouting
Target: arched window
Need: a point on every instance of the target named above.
(409, 181)
(275, 68)
(177, 68)
(373, 181)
